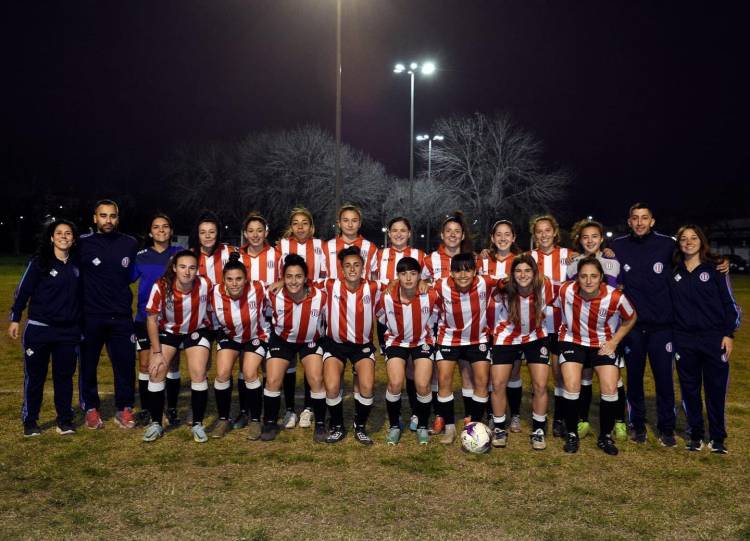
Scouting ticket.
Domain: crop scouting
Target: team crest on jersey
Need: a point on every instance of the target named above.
(125, 261)
(704, 276)
(269, 264)
(677, 277)
(668, 347)
(195, 336)
(280, 312)
(314, 312)
(253, 305)
(425, 310)
(53, 273)
(482, 295)
(626, 267)
(366, 299)
(318, 250)
(256, 342)
(608, 265)
(603, 312)
(169, 304)
(96, 261)
(29, 352)
(482, 347)
(658, 267)
(311, 345)
(204, 298)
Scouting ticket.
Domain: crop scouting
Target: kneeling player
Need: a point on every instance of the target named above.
(408, 337)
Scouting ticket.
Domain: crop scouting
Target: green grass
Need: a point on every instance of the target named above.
(109, 484)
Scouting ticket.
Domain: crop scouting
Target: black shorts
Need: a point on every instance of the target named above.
(536, 352)
(255, 345)
(281, 349)
(348, 351)
(141, 336)
(473, 353)
(587, 356)
(425, 351)
(200, 337)
(553, 344)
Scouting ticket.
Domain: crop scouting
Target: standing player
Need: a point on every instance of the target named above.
(406, 315)
(595, 319)
(552, 262)
(107, 259)
(262, 262)
(51, 287)
(349, 223)
(238, 307)
(298, 312)
(212, 254)
(588, 237)
(178, 319)
(399, 235)
(520, 331)
(706, 317)
(150, 264)
(462, 334)
(350, 317)
(495, 261)
(299, 239)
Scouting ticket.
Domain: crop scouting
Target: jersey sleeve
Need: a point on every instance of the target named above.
(25, 289)
(732, 310)
(155, 300)
(625, 308)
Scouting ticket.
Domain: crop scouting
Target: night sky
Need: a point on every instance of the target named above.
(636, 100)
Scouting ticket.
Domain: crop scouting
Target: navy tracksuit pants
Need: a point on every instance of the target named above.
(39, 344)
(118, 335)
(657, 344)
(701, 362)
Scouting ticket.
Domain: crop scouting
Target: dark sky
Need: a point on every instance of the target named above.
(638, 100)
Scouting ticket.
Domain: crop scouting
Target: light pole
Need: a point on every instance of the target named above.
(429, 140)
(426, 68)
(338, 105)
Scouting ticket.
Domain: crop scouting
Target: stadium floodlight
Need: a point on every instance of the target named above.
(438, 138)
(429, 140)
(428, 68)
(399, 68)
(422, 137)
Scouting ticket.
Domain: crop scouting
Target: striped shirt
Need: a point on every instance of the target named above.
(437, 265)
(408, 324)
(212, 266)
(463, 316)
(298, 322)
(311, 251)
(388, 258)
(183, 313)
(496, 268)
(240, 319)
(553, 266)
(264, 266)
(506, 333)
(593, 322)
(367, 250)
(351, 314)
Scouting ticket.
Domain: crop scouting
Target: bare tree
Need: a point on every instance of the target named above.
(493, 169)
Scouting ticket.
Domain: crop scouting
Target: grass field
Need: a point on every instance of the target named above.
(108, 484)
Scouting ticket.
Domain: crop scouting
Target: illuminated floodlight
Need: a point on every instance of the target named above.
(609, 234)
(399, 68)
(422, 137)
(413, 66)
(438, 138)
(428, 68)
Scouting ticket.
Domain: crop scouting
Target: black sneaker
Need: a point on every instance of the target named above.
(31, 429)
(361, 435)
(558, 428)
(607, 444)
(336, 434)
(143, 418)
(571, 443)
(172, 418)
(269, 432)
(639, 434)
(694, 445)
(667, 439)
(320, 434)
(66, 428)
(717, 447)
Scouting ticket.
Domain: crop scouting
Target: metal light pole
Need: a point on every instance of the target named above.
(427, 68)
(338, 105)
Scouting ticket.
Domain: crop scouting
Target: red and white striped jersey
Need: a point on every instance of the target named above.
(553, 266)
(367, 250)
(263, 267)
(506, 333)
(212, 266)
(437, 265)
(408, 324)
(496, 268)
(591, 323)
(388, 258)
(241, 319)
(298, 322)
(463, 316)
(311, 251)
(183, 313)
(351, 314)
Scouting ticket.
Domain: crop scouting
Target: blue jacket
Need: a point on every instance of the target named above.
(645, 264)
(703, 301)
(107, 265)
(53, 294)
(149, 267)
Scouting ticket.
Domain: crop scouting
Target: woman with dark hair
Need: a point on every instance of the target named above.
(408, 339)
(595, 319)
(706, 318)
(150, 264)
(205, 242)
(178, 319)
(588, 237)
(51, 288)
(520, 330)
(238, 307)
(297, 316)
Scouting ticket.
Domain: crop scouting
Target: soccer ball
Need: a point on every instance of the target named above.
(476, 438)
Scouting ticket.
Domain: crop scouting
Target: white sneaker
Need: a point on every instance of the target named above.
(290, 419)
(199, 433)
(306, 418)
(153, 432)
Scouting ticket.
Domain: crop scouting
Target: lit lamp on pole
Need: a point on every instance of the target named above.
(429, 140)
(426, 68)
